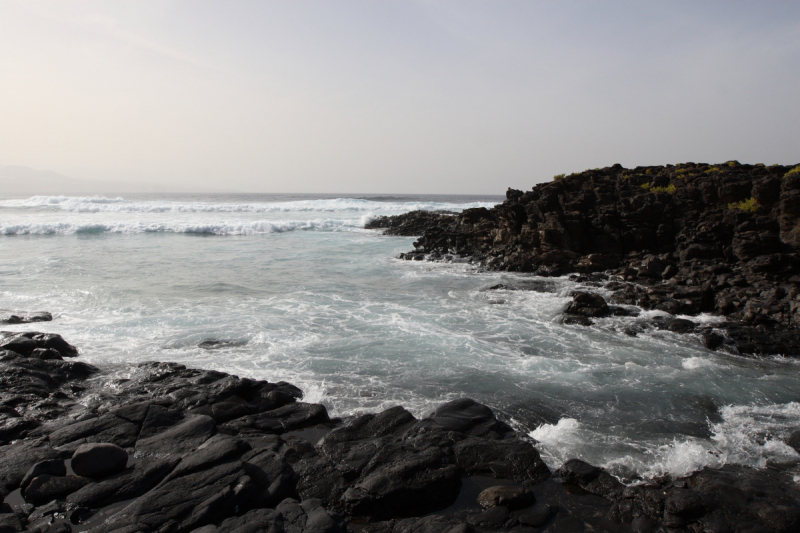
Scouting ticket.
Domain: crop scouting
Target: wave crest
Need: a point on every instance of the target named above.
(244, 228)
(99, 204)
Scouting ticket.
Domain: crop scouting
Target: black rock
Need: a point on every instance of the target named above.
(578, 472)
(588, 305)
(132, 484)
(105, 428)
(99, 460)
(45, 488)
(492, 518)
(536, 516)
(178, 440)
(19, 458)
(54, 467)
(471, 418)
(708, 230)
(507, 496)
(504, 459)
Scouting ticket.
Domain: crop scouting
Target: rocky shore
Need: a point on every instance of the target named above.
(684, 239)
(161, 447)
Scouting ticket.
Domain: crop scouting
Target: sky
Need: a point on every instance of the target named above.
(392, 96)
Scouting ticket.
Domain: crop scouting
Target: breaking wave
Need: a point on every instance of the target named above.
(97, 204)
(235, 228)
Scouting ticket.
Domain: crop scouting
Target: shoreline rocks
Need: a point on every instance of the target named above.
(188, 450)
(684, 239)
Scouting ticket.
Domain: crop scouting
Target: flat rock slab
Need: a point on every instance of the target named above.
(46, 488)
(178, 440)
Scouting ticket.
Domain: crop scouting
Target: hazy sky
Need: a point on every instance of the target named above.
(412, 96)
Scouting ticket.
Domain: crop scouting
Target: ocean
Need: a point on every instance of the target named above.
(293, 288)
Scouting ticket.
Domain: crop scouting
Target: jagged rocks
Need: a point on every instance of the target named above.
(693, 238)
(211, 449)
(27, 318)
(25, 343)
(726, 499)
(588, 305)
(19, 458)
(385, 472)
(411, 224)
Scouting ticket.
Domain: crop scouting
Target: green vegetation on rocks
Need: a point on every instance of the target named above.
(750, 205)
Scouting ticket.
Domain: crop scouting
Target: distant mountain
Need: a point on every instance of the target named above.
(18, 180)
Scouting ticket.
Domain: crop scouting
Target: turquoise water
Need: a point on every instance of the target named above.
(302, 293)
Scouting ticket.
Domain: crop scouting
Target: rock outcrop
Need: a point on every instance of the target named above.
(684, 239)
(174, 449)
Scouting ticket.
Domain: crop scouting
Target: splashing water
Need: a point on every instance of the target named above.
(297, 290)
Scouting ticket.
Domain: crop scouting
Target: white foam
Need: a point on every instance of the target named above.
(255, 227)
(695, 363)
(750, 435)
(120, 205)
(565, 430)
(558, 442)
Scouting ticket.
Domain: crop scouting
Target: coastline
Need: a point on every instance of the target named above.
(681, 239)
(208, 451)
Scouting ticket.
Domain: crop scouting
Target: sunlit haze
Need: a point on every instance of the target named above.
(391, 97)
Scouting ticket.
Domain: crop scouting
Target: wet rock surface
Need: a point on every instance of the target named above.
(166, 449)
(26, 318)
(683, 239)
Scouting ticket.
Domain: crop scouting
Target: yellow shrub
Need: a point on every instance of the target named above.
(750, 205)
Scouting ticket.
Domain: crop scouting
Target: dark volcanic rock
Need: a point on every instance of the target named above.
(471, 418)
(132, 484)
(588, 305)
(99, 460)
(726, 499)
(410, 224)
(685, 239)
(53, 467)
(178, 440)
(105, 428)
(19, 458)
(511, 497)
(197, 469)
(27, 318)
(45, 488)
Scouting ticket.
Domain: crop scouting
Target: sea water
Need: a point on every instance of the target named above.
(294, 288)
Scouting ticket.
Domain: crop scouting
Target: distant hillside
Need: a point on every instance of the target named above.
(18, 180)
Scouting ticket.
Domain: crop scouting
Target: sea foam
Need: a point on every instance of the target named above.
(120, 205)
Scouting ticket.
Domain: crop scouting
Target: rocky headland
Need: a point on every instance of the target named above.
(161, 447)
(684, 239)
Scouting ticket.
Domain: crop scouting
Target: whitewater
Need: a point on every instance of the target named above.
(294, 288)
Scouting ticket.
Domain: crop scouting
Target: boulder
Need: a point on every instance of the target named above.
(508, 496)
(467, 416)
(588, 305)
(99, 460)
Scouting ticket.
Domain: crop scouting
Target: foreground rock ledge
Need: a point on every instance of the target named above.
(210, 452)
